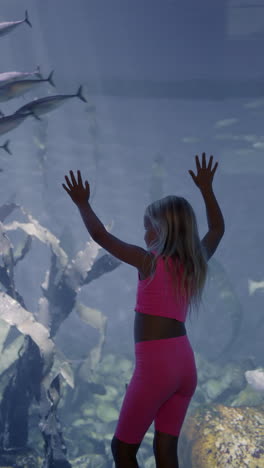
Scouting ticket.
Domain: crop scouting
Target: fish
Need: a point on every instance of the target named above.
(18, 88)
(254, 286)
(9, 77)
(5, 147)
(255, 378)
(12, 121)
(48, 104)
(8, 26)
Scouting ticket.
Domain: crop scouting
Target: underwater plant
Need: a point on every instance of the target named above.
(37, 371)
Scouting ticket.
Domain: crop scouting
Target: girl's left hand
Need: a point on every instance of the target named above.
(78, 193)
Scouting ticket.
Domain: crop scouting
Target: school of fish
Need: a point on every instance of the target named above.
(15, 84)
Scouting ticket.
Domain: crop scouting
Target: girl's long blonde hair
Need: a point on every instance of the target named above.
(174, 222)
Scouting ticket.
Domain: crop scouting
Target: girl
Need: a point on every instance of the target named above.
(171, 276)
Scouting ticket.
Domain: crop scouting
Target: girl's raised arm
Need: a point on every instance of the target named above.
(216, 224)
(128, 253)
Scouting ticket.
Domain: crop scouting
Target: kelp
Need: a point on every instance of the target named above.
(14, 314)
(96, 319)
(22, 387)
(40, 366)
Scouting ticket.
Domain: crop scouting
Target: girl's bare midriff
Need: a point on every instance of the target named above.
(153, 327)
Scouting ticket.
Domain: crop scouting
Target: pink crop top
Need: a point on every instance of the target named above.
(157, 295)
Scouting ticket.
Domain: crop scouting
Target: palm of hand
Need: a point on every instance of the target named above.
(205, 175)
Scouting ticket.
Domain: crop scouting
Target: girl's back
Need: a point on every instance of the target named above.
(160, 312)
(160, 294)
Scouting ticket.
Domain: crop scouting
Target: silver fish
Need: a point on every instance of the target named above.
(5, 147)
(10, 122)
(48, 104)
(18, 88)
(254, 286)
(8, 26)
(9, 77)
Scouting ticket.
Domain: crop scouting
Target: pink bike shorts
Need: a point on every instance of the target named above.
(160, 390)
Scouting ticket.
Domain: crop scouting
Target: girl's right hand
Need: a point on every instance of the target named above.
(205, 175)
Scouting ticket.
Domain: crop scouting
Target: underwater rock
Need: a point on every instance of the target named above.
(223, 436)
(107, 364)
(90, 461)
(20, 459)
(255, 378)
(79, 422)
(89, 412)
(110, 395)
(106, 412)
(214, 388)
(248, 397)
(222, 383)
(230, 380)
(124, 366)
(117, 371)
(207, 370)
(121, 371)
